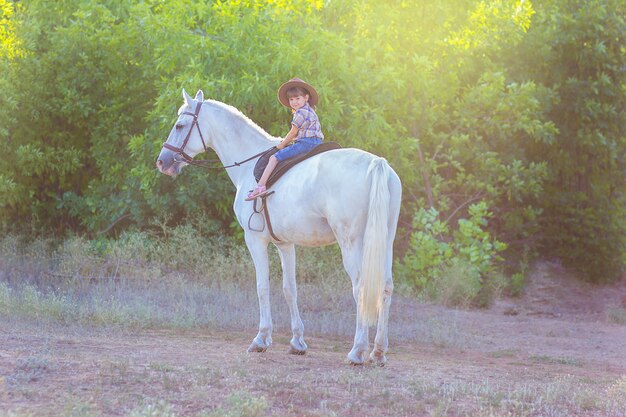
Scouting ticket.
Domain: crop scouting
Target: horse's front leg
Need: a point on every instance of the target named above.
(287, 254)
(258, 250)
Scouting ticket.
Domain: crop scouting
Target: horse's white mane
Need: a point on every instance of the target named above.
(235, 112)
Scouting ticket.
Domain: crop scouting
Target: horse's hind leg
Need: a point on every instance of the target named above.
(352, 263)
(258, 250)
(381, 342)
(287, 254)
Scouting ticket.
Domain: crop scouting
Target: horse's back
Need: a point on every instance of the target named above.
(347, 171)
(331, 191)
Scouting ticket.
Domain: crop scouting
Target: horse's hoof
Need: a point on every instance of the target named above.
(378, 358)
(294, 351)
(297, 346)
(381, 363)
(356, 358)
(254, 348)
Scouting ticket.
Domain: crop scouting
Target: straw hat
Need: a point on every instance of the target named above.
(297, 82)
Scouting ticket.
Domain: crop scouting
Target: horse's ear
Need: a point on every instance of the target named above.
(200, 95)
(187, 98)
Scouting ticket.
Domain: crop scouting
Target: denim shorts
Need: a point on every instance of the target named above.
(300, 146)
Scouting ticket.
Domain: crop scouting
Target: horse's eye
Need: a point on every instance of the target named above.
(179, 126)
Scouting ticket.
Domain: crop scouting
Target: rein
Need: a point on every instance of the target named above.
(205, 163)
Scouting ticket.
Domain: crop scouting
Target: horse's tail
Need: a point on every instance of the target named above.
(375, 241)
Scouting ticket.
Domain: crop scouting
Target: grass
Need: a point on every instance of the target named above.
(184, 281)
(76, 407)
(505, 353)
(153, 409)
(27, 370)
(240, 404)
(549, 360)
(141, 281)
(562, 396)
(616, 315)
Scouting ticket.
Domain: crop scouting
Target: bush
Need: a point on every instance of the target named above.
(453, 267)
(456, 283)
(516, 104)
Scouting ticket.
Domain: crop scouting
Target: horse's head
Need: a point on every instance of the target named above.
(185, 140)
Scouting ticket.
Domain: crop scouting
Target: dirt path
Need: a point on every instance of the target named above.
(554, 352)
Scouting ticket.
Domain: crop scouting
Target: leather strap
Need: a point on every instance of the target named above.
(267, 215)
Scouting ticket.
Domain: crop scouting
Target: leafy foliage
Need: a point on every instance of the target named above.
(454, 263)
(584, 218)
(511, 111)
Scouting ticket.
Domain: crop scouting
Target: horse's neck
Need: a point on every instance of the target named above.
(235, 139)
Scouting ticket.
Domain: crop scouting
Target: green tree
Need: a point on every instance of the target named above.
(576, 48)
(513, 106)
(76, 96)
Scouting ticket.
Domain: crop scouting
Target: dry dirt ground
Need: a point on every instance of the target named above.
(559, 350)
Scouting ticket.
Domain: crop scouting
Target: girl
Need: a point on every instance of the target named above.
(305, 128)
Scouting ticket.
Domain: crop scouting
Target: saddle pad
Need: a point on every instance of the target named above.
(283, 166)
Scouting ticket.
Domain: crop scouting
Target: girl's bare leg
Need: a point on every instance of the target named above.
(268, 170)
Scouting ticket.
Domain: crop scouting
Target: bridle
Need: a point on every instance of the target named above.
(204, 162)
(181, 151)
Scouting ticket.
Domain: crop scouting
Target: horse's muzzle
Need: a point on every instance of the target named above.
(167, 164)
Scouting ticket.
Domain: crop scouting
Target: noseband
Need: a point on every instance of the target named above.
(181, 151)
(205, 162)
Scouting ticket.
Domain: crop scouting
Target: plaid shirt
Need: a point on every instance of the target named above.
(307, 123)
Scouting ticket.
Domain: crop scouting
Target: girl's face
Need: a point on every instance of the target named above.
(298, 101)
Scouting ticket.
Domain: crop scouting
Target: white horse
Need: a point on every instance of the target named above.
(346, 196)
